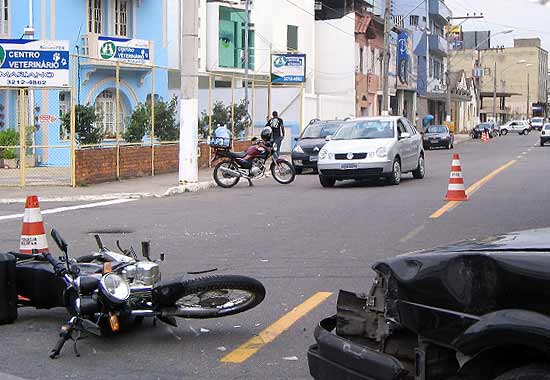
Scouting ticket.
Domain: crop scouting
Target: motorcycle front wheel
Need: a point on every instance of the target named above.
(225, 180)
(209, 297)
(283, 172)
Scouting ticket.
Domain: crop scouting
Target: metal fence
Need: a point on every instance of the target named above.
(120, 105)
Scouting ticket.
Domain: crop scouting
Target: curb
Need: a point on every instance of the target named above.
(189, 188)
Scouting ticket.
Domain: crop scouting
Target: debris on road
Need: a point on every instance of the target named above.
(221, 348)
(203, 330)
(291, 358)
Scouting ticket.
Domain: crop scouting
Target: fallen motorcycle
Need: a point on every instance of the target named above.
(251, 164)
(107, 290)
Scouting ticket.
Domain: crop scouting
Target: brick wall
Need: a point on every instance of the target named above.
(99, 165)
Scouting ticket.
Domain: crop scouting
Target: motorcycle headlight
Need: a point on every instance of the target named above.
(298, 149)
(323, 154)
(381, 152)
(115, 288)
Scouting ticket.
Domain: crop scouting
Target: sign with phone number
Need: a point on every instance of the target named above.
(34, 63)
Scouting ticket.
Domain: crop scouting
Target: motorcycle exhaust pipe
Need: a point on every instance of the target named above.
(144, 313)
(231, 172)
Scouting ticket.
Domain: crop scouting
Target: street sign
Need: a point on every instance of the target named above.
(288, 68)
(124, 50)
(34, 63)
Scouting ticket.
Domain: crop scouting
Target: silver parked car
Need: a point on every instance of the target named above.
(372, 147)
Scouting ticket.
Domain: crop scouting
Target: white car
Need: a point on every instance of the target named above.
(372, 147)
(537, 123)
(521, 127)
(545, 134)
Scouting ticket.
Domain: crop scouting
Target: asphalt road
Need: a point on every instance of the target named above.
(298, 240)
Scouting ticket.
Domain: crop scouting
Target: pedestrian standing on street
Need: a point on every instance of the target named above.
(278, 129)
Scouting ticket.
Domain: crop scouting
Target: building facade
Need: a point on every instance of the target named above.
(521, 78)
(83, 23)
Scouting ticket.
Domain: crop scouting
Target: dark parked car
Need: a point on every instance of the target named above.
(305, 153)
(490, 128)
(438, 136)
(477, 310)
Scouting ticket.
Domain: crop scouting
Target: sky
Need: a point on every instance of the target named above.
(527, 18)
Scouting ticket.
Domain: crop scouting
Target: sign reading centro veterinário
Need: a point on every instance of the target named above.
(34, 63)
(288, 68)
(124, 50)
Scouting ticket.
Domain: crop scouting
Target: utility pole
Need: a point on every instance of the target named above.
(386, 59)
(189, 106)
(495, 93)
(528, 79)
(246, 52)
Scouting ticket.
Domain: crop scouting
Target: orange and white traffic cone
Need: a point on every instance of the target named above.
(485, 137)
(456, 191)
(33, 233)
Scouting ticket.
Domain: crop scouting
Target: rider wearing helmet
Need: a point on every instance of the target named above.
(266, 134)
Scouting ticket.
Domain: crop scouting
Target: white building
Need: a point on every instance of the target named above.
(276, 26)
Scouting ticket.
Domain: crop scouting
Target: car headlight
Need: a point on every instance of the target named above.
(381, 152)
(115, 288)
(323, 154)
(330, 156)
(298, 149)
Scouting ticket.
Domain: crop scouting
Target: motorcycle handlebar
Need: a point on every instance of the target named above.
(58, 266)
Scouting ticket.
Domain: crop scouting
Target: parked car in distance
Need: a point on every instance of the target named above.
(521, 127)
(438, 136)
(537, 123)
(488, 127)
(545, 134)
(477, 310)
(309, 143)
(372, 147)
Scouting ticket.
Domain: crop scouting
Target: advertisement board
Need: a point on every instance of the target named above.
(34, 63)
(288, 68)
(124, 50)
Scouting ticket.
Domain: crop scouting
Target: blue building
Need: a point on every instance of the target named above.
(427, 22)
(87, 24)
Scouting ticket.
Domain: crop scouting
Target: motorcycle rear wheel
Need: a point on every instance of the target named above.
(222, 179)
(210, 297)
(283, 172)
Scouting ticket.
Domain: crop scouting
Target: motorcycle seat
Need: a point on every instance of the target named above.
(237, 154)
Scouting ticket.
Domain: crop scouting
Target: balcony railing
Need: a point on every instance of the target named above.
(438, 45)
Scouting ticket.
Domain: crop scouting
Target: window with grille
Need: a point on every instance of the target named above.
(4, 18)
(121, 18)
(413, 20)
(64, 98)
(95, 16)
(106, 110)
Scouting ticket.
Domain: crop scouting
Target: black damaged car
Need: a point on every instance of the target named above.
(478, 310)
(306, 151)
(438, 136)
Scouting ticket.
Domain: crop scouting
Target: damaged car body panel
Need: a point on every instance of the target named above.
(441, 312)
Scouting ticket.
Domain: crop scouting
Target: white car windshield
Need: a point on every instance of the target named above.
(366, 129)
(536, 120)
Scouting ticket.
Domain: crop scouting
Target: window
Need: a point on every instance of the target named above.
(292, 37)
(400, 128)
(413, 20)
(105, 108)
(231, 39)
(95, 16)
(121, 18)
(63, 109)
(361, 69)
(4, 18)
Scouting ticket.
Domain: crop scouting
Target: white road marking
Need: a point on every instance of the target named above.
(71, 208)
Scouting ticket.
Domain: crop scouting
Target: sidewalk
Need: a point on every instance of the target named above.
(157, 186)
(460, 138)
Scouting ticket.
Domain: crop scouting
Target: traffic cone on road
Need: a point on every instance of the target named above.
(33, 233)
(456, 191)
(485, 137)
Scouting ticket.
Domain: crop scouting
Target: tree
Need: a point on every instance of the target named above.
(87, 132)
(221, 115)
(166, 126)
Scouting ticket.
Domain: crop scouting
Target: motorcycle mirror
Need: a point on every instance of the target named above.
(146, 249)
(59, 241)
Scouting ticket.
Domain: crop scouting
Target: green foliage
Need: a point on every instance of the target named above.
(166, 126)
(221, 114)
(87, 133)
(9, 137)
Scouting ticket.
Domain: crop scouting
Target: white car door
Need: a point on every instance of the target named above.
(405, 146)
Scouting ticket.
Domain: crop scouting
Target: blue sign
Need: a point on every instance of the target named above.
(288, 68)
(403, 57)
(34, 63)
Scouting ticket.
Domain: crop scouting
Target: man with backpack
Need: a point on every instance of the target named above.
(278, 129)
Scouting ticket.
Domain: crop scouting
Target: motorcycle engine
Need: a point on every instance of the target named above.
(257, 167)
(143, 273)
